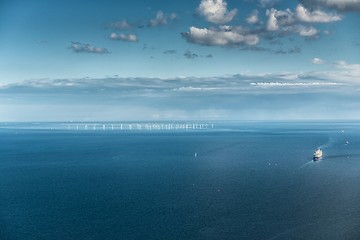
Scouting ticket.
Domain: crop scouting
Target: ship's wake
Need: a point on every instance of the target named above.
(306, 164)
(343, 156)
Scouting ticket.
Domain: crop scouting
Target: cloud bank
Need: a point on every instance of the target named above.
(302, 95)
(344, 75)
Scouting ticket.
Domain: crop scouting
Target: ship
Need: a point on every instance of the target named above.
(317, 154)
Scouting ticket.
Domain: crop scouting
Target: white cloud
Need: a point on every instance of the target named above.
(348, 67)
(190, 55)
(277, 18)
(305, 31)
(162, 19)
(344, 64)
(87, 48)
(123, 24)
(271, 24)
(253, 18)
(216, 11)
(124, 37)
(317, 61)
(224, 36)
(172, 16)
(342, 72)
(268, 3)
(318, 16)
(286, 21)
(342, 5)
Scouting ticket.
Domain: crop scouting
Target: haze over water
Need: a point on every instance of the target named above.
(237, 181)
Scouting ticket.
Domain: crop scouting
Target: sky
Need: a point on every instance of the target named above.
(179, 60)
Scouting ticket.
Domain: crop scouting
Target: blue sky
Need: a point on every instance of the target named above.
(165, 60)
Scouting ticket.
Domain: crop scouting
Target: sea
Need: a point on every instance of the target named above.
(219, 180)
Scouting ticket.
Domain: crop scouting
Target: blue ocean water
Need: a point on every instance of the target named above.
(248, 180)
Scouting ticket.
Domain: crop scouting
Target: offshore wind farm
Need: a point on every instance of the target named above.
(134, 126)
(112, 126)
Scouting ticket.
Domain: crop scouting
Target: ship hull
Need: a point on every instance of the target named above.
(317, 158)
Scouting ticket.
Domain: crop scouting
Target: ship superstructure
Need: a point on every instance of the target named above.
(317, 154)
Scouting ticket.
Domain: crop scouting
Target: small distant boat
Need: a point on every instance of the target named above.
(317, 154)
(195, 154)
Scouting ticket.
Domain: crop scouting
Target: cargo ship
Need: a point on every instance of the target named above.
(317, 154)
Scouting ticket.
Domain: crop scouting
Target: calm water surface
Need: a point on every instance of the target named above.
(247, 181)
